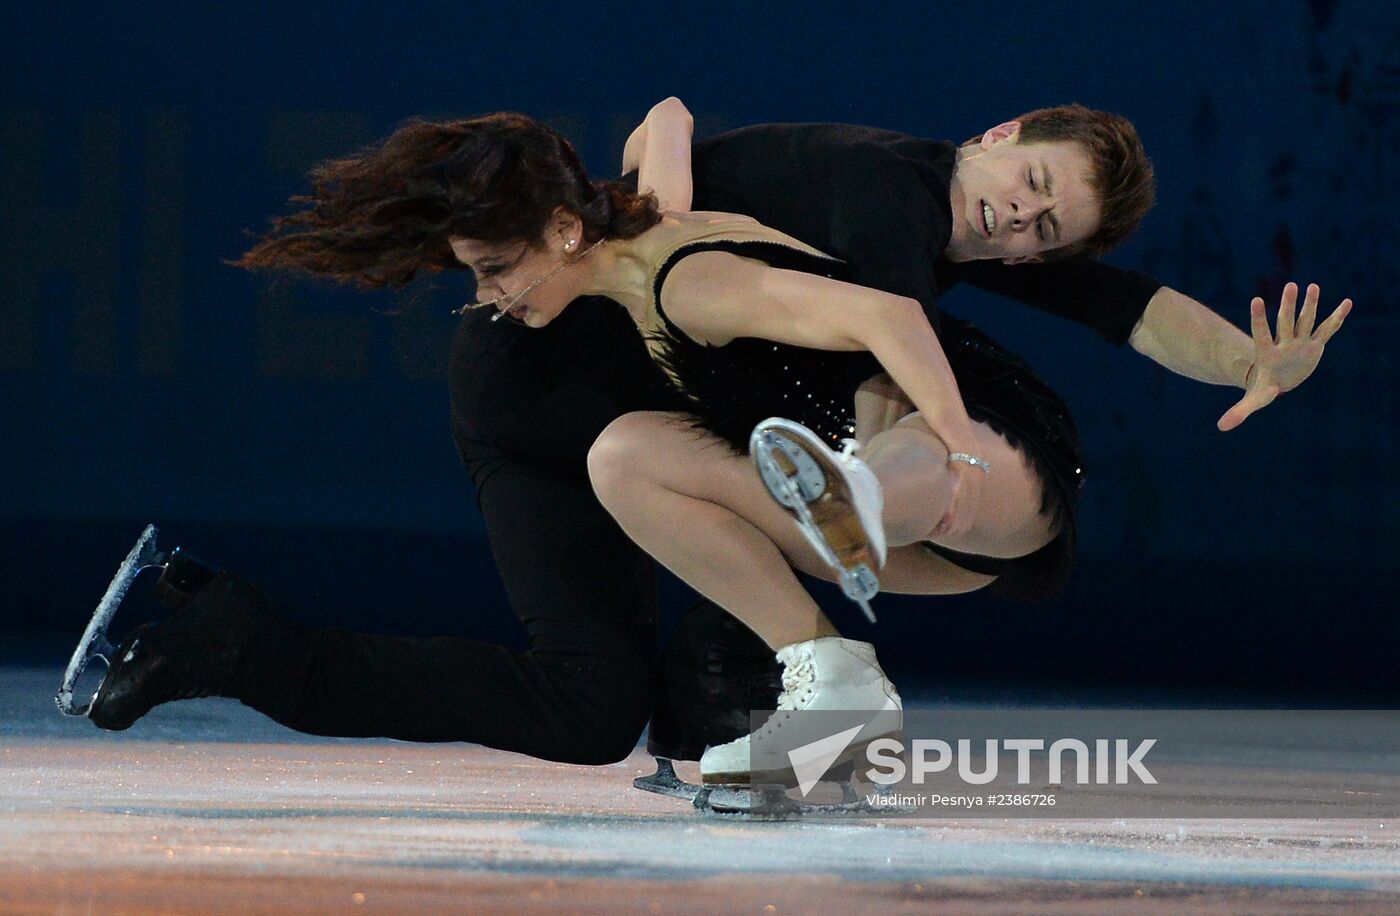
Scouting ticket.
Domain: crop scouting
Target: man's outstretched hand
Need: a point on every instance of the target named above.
(1284, 362)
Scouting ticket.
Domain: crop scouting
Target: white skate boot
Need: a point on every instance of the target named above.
(831, 675)
(835, 497)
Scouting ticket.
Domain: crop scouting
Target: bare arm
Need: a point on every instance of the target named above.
(1190, 339)
(1184, 336)
(659, 149)
(715, 297)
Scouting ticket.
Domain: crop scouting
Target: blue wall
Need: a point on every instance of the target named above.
(141, 379)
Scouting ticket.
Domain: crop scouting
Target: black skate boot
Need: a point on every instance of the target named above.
(199, 650)
(714, 673)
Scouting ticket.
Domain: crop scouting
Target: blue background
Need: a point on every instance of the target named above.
(291, 433)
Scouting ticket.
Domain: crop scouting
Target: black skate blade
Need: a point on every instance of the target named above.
(665, 782)
(95, 644)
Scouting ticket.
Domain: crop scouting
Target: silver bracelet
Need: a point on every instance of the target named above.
(973, 460)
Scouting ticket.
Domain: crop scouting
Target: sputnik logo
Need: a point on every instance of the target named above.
(811, 761)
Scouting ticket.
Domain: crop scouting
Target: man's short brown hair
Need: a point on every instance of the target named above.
(1121, 173)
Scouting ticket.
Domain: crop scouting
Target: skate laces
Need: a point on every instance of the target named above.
(798, 675)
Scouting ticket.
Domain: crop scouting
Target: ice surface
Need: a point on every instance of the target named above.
(211, 787)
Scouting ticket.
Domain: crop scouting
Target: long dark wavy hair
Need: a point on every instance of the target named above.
(376, 218)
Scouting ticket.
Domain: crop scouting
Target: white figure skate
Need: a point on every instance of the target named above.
(831, 675)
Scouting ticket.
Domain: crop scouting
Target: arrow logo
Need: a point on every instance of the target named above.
(811, 761)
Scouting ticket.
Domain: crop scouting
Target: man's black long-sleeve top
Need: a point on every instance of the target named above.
(878, 200)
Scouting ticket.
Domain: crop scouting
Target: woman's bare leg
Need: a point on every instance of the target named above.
(913, 570)
(700, 510)
(703, 512)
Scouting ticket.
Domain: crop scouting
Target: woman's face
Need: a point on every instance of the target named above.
(528, 280)
(1016, 201)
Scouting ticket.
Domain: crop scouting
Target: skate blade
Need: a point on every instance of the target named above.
(860, 585)
(665, 782)
(826, 518)
(94, 644)
(748, 801)
(773, 803)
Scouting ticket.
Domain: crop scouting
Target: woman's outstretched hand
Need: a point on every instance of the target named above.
(1282, 362)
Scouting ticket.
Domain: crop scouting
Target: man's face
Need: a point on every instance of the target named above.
(1015, 201)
